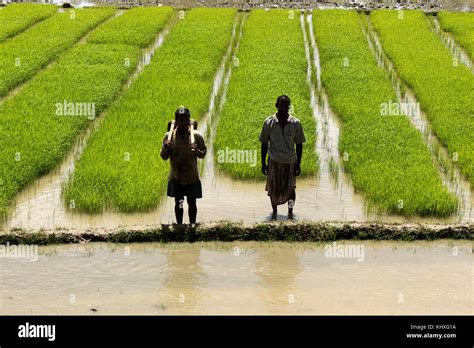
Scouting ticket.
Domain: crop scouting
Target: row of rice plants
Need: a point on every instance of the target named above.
(443, 86)
(121, 166)
(40, 124)
(18, 17)
(461, 26)
(134, 34)
(22, 56)
(385, 156)
(271, 62)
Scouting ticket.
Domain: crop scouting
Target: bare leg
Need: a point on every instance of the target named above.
(274, 208)
(192, 210)
(291, 204)
(178, 209)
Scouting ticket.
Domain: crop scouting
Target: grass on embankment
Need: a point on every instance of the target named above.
(228, 232)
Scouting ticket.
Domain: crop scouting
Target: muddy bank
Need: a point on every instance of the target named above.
(227, 231)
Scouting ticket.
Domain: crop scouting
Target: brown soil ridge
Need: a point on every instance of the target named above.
(230, 231)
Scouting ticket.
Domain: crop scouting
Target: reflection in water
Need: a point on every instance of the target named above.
(277, 269)
(184, 280)
(240, 278)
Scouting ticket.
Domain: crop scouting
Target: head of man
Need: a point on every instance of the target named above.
(182, 118)
(283, 104)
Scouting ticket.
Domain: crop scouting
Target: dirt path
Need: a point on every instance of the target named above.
(227, 231)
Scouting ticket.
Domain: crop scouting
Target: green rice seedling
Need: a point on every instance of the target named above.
(15, 18)
(443, 86)
(22, 56)
(271, 62)
(39, 125)
(139, 30)
(121, 166)
(461, 26)
(383, 153)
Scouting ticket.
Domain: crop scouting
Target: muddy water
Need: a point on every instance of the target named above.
(241, 278)
(327, 197)
(333, 185)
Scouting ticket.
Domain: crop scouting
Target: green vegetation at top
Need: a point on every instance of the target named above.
(36, 130)
(22, 56)
(137, 30)
(271, 62)
(385, 156)
(461, 26)
(121, 166)
(443, 86)
(17, 17)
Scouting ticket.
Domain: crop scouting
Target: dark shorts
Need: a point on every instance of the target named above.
(191, 190)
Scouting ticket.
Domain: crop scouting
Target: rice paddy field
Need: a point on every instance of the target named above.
(131, 172)
(387, 158)
(19, 17)
(383, 219)
(461, 26)
(265, 69)
(86, 95)
(443, 88)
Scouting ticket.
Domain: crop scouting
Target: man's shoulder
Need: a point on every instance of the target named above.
(269, 119)
(294, 119)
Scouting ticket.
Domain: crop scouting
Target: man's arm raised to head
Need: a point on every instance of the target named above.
(201, 146)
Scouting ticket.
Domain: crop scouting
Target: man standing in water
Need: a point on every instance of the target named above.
(283, 131)
(183, 179)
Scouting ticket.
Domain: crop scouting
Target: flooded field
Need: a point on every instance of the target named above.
(371, 268)
(329, 196)
(242, 278)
